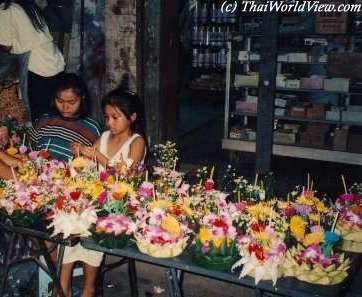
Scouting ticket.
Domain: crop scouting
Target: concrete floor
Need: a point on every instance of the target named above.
(149, 276)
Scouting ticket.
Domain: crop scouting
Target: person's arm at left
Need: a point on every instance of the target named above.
(9, 160)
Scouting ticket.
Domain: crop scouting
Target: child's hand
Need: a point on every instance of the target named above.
(76, 148)
(87, 151)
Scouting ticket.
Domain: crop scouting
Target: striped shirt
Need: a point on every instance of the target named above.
(60, 132)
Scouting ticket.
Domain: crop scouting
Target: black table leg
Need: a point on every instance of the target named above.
(7, 263)
(132, 277)
(173, 283)
(258, 292)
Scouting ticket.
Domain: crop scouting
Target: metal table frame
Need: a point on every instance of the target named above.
(37, 249)
(183, 263)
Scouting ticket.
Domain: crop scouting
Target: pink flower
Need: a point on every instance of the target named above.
(102, 197)
(33, 155)
(103, 176)
(146, 189)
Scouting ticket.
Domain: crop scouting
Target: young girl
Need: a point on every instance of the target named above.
(121, 144)
(67, 124)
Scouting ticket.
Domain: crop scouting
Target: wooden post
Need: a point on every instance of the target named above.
(158, 54)
(267, 74)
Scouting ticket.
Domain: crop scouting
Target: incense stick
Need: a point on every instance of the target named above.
(47, 146)
(212, 172)
(344, 184)
(13, 172)
(335, 221)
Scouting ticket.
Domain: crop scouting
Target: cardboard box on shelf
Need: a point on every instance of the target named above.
(333, 115)
(284, 136)
(317, 128)
(244, 106)
(292, 83)
(280, 111)
(297, 111)
(336, 84)
(309, 139)
(313, 83)
(246, 80)
(340, 139)
(352, 116)
(355, 143)
(331, 22)
(280, 102)
(293, 127)
(298, 57)
(316, 112)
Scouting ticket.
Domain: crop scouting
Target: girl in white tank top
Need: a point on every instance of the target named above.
(120, 145)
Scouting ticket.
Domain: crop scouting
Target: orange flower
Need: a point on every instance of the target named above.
(356, 209)
(117, 196)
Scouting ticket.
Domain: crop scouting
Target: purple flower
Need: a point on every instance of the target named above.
(303, 209)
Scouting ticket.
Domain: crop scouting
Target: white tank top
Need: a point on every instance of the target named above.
(122, 153)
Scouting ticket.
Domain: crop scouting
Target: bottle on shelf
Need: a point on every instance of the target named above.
(204, 14)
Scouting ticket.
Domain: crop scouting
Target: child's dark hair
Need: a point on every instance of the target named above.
(72, 81)
(128, 103)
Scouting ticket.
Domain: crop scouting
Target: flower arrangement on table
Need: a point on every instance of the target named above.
(349, 224)
(115, 198)
(215, 245)
(160, 233)
(23, 204)
(310, 257)
(73, 213)
(261, 246)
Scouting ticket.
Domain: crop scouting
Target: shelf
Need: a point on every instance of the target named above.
(302, 90)
(288, 118)
(285, 62)
(296, 152)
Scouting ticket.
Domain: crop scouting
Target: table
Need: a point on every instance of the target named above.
(37, 249)
(183, 263)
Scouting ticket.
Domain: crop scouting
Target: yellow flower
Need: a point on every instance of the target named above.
(58, 174)
(110, 180)
(313, 238)
(96, 189)
(218, 241)
(12, 151)
(171, 225)
(125, 188)
(261, 211)
(321, 207)
(80, 162)
(262, 238)
(297, 227)
(186, 207)
(163, 204)
(304, 200)
(2, 192)
(314, 217)
(204, 235)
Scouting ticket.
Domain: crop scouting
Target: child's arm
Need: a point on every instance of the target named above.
(9, 160)
(137, 150)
